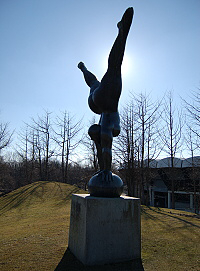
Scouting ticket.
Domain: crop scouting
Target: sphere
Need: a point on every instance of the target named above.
(106, 185)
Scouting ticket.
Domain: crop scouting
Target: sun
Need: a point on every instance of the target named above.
(126, 64)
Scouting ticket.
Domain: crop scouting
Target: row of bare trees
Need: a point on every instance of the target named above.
(150, 128)
(45, 139)
(193, 137)
(47, 146)
(45, 150)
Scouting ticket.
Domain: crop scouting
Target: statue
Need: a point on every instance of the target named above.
(103, 100)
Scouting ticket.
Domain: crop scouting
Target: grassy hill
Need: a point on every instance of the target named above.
(34, 224)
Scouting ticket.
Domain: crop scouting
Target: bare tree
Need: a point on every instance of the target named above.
(42, 144)
(146, 120)
(5, 135)
(193, 116)
(192, 137)
(6, 178)
(22, 151)
(171, 133)
(66, 137)
(137, 143)
(125, 148)
(26, 149)
(191, 144)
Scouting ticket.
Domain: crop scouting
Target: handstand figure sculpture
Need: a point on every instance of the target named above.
(103, 99)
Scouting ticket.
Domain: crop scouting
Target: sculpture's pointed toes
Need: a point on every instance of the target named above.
(81, 65)
(125, 23)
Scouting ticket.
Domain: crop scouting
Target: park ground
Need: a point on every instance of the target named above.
(34, 226)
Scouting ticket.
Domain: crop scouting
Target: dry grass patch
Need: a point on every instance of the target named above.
(34, 225)
(170, 240)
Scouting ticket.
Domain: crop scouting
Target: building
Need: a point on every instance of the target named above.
(186, 178)
(160, 180)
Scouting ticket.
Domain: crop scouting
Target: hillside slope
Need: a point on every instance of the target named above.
(34, 224)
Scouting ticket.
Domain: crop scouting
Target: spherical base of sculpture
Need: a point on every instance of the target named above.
(105, 184)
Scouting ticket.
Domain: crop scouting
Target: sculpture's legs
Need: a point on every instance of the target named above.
(117, 52)
(106, 96)
(93, 83)
(90, 78)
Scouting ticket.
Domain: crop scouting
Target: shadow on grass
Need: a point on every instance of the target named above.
(68, 196)
(147, 215)
(19, 196)
(173, 215)
(69, 262)
(42, 191)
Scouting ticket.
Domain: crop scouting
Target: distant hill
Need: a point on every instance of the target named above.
(166, 162)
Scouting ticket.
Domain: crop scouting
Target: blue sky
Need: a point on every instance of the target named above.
(42, 41)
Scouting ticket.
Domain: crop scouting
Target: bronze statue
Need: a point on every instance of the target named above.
(103, 99)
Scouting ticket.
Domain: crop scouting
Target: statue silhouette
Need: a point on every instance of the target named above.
(103, 99)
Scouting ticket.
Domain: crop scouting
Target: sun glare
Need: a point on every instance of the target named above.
(126, 64)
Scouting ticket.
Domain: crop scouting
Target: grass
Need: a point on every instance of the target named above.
(170, 240)
(34, 225)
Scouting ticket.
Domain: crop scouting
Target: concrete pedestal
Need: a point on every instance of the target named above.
(105, 230)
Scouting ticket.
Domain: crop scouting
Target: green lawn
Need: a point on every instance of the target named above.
(34, 224)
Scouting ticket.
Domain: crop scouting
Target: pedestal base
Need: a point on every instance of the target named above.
(105, 230)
